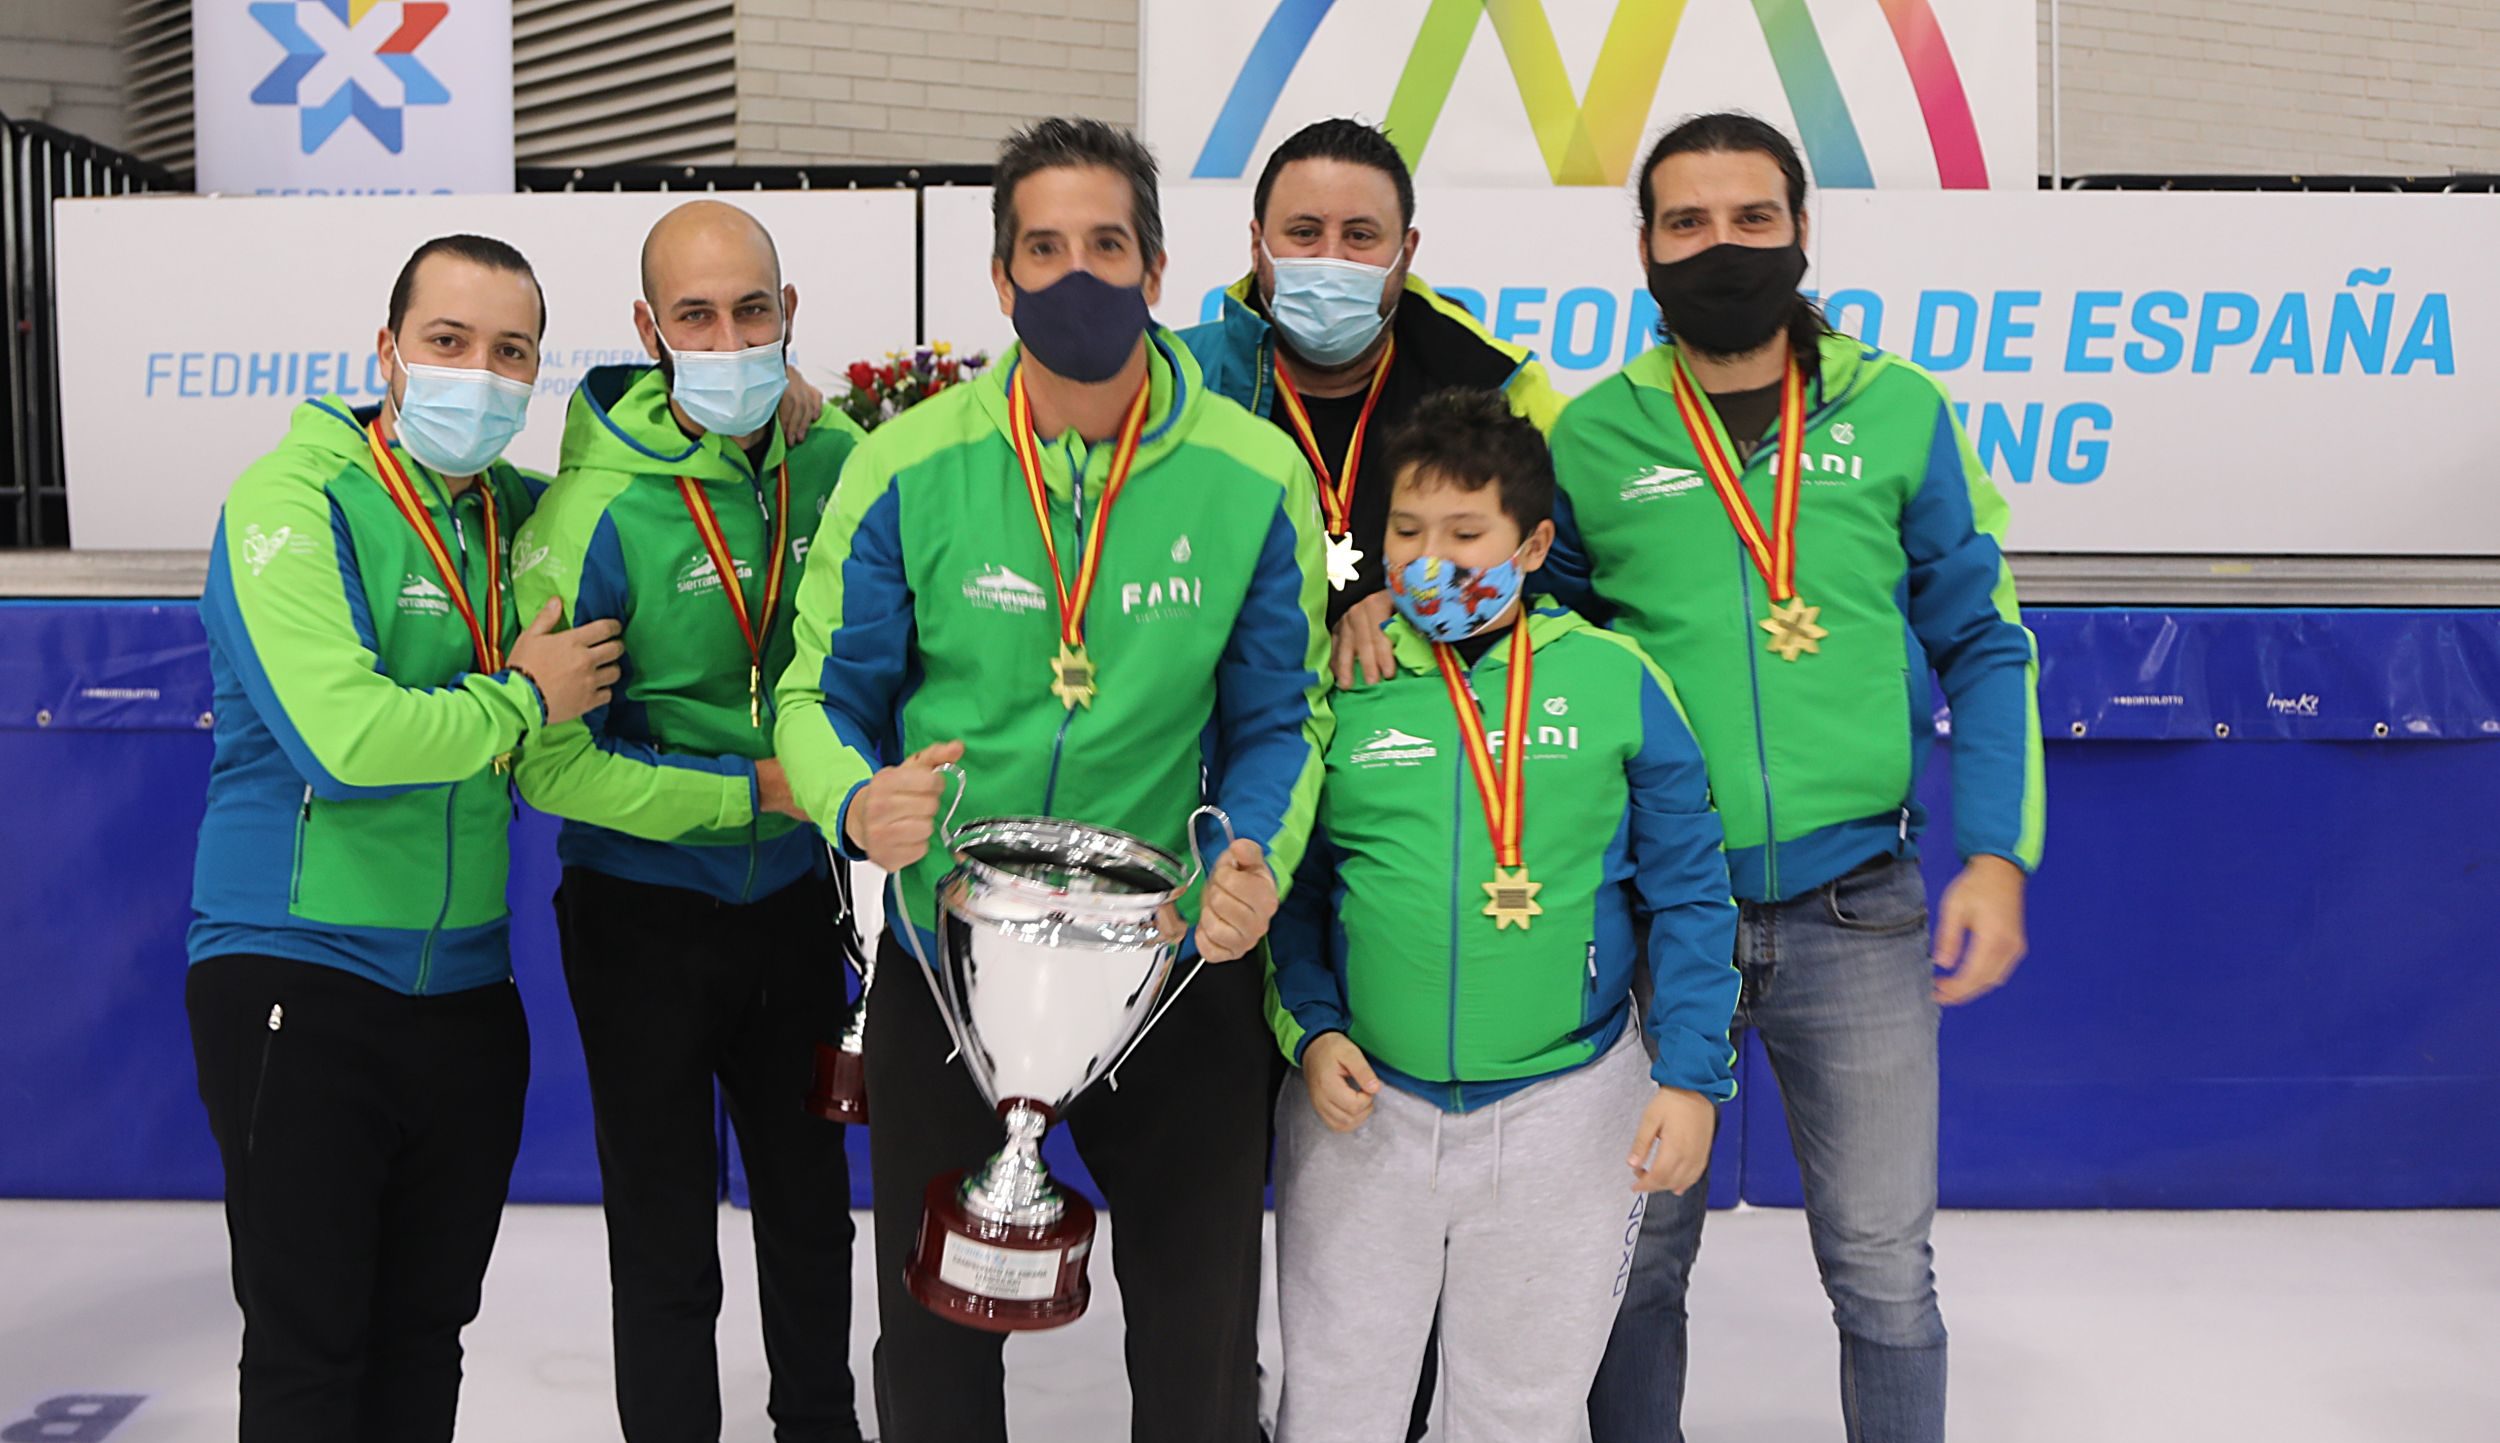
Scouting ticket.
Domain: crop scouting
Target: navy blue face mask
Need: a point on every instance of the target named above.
(1080, 325)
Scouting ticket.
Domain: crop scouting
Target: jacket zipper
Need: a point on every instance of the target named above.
(1458, 862)
(260, 1083)
(763, 634)
(303, 823)
(451, 794)
(1761, 747)
(451, 853)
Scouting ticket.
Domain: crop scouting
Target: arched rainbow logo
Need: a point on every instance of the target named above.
(1592, 140)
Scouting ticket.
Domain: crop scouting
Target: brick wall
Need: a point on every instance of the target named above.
(2277, 86)
(60, 64)
(909, 80)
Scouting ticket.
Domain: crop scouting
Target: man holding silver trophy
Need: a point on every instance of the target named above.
(1084, 594)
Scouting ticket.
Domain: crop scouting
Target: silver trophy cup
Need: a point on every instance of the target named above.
(1053, 955)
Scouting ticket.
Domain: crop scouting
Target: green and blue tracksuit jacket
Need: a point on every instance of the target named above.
(355, 815)
(658, 785)
(927, 615)
(1384, 938)
(1814, 763)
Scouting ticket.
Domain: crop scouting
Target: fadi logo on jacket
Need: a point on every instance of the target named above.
(996, 588)
(1661, 481)
(700, 575)
(1391, 747)
(419, 596)
(527, 559)
(1169, 597)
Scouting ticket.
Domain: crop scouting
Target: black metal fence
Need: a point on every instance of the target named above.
(38, 165)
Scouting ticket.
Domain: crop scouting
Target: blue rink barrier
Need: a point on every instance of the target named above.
(2264, 940)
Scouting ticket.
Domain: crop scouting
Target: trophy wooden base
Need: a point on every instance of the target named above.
(1000, 1277)
(841, 1090)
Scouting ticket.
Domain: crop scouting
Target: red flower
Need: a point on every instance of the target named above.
(862, 375)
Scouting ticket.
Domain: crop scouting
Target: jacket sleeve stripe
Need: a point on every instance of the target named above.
(1963, 608)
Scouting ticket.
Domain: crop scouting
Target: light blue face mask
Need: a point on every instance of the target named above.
(729, 393)
(1329, 310)
(1448, 602)
(458, 419)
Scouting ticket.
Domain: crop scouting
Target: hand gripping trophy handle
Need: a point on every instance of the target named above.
(1197, 874)
(841, 1090)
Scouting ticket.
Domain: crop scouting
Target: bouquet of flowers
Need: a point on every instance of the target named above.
(880, 391)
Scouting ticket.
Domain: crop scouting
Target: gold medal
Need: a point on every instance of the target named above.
(1344, 562)
(1792, 623)
(1513, 898)
(1072, 677)
(1072, 671)
(1336, 488)
(1793, 632)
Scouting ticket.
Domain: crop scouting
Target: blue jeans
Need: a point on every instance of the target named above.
(1839, 986)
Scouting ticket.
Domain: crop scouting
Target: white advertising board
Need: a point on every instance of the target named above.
(190, 327)
(2143, 372)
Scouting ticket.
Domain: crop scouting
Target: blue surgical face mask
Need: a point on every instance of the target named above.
(1448, 602)
(1329, 310)
(1081, 326)
(458, 419)
(729, 393)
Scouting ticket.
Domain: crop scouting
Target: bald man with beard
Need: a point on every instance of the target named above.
(696, 903)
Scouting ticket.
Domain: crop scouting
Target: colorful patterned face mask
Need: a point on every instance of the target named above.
(1448, 602)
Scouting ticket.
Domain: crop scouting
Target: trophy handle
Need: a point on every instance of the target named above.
(1197, 872)
(941, 990)
(1197, 861)
(947, 831)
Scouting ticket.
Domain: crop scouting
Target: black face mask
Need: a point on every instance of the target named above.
(1729, 299)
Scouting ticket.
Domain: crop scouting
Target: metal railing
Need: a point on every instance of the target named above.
(38, 165)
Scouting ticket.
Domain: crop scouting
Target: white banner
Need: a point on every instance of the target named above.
(1918, 93)
(352, 97)
(190, 327)
(2142, 372)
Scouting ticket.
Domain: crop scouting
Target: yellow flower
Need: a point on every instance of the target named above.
(943, 348)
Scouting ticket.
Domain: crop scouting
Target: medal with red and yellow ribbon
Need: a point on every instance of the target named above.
(485, 637)
(1792, 623)
(759, 629)
(1512, 897)
(1072, 671)
(1336, 488)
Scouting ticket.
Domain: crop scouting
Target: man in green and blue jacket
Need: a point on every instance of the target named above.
(1332, 307)
(361, 1049)
(1801, 623)
(1185, 667)
(697, 910)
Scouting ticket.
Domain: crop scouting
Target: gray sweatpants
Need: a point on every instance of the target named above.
(1516, 1221)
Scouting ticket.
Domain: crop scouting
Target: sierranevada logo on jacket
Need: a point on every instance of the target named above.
(999, 588)
(701, 574)
(419, 596)
(1659, 482)
(1389, 747)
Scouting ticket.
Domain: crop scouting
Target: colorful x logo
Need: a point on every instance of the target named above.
(350, 98)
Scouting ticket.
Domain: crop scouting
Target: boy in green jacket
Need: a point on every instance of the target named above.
(696, 907)
(1500, 821)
